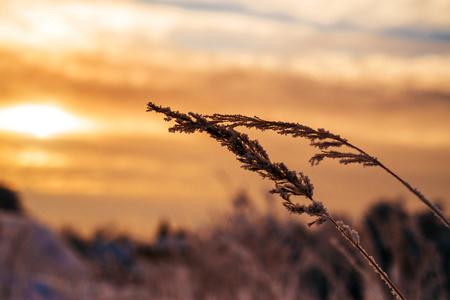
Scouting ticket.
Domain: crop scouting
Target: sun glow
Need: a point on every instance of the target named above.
(39, 120)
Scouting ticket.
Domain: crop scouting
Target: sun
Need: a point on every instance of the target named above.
(38, 120)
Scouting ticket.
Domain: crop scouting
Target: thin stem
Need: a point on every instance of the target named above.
(437, 212)
(370, 259)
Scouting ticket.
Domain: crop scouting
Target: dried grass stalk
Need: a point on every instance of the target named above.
(288, 183)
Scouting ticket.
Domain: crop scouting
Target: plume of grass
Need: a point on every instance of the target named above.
(254, 158)
(327, 143)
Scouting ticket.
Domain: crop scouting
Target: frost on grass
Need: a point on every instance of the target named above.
(320, 138)
(253, 157)
(349, 231)
(328, 143)
(288, 183)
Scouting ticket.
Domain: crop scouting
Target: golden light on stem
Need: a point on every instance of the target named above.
(39, 120)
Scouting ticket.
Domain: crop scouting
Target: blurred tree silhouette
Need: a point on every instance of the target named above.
(9, 200)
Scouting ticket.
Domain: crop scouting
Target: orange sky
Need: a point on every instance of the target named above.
(375, 72)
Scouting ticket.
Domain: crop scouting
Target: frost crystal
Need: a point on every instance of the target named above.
(349, 231)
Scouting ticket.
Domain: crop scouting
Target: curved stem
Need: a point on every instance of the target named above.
(437, 212)
(371, 261)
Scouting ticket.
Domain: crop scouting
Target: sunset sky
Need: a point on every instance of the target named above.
(78, 146)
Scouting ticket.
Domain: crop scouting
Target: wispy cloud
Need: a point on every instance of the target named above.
(355, 13)
(280, 30)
